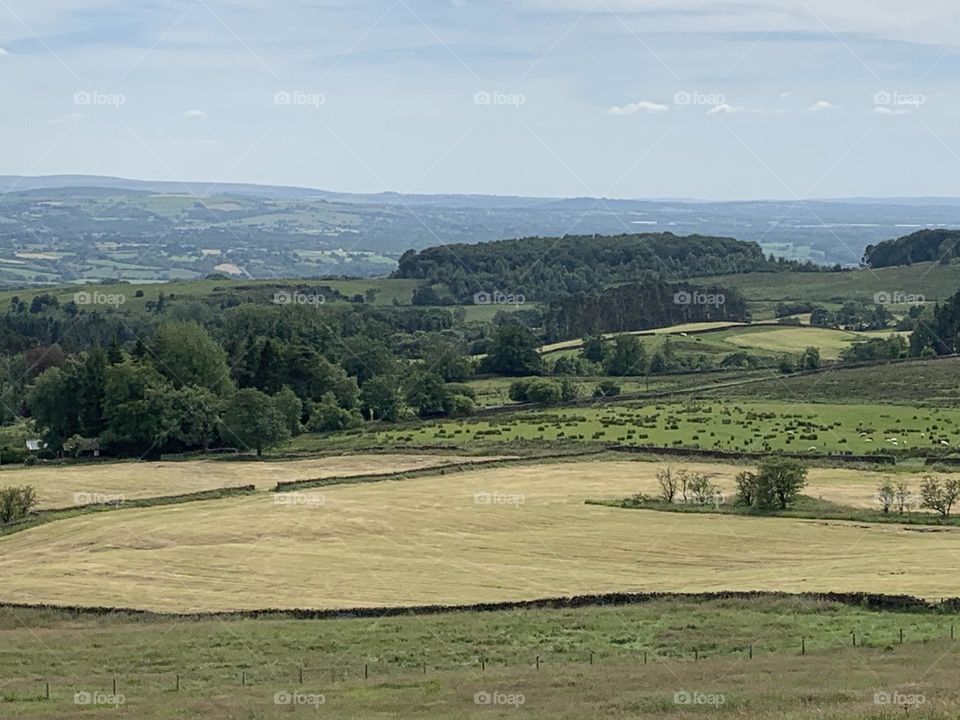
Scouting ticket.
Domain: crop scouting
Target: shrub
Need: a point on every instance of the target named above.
(16, 502)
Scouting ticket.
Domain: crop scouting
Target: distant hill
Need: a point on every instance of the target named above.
(921, 246)
(84, 228)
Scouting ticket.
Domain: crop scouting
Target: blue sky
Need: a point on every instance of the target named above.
(619, 98)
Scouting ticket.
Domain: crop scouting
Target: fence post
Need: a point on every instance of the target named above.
(644, 657)
(424, 668)
(853, 636)
(178, 682)
(366, 672)
(301, 676)
(538, 662)
(696, 654)
(803, 646)
(114, 686)
(591, 657)
(48, 690)
(243, 677)
(901, 636)
(483, 664)
(751, 652)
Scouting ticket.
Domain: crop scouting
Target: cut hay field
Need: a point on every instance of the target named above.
(61, 486)
(504, 533)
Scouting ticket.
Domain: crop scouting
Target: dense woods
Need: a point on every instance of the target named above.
(543, 268)
(922, 246)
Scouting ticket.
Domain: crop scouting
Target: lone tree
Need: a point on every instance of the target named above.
(781, 481)
(939, 496)
(776, 484)
(886, 497)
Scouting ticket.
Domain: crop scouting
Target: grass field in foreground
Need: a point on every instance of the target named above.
(85, 654)
(503, 533)
(66, 485)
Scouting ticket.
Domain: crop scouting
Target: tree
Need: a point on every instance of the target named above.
(627, 357)
(886, 496)
(186, 355)
(380, 398)
(810, 360)
(328, 416)
(783, 479)
(425, 393)
(702, 489)
(593, 348)
(364, 358)
(513, 352)
(939, 496)
(902, 496)
(138, 407)
(606, 388)
(747, 490)
(292, 409)
(16, 503)
(253, 420)
(669, 484)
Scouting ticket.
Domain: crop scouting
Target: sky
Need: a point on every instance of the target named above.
(729, 100)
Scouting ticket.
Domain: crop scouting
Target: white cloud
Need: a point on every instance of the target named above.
(195, 115)
(884, 110)
(4, 52)
(641, 106)
(785, 95)
(69, 118)
(821, 106)
(724, 109)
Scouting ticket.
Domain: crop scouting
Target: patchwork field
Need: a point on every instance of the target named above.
(481, 535)
(708, 424)
(65, 485)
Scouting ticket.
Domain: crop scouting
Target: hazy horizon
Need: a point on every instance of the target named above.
(634, 99)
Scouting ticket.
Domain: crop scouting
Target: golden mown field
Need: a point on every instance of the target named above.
(481, 535)
(66, 485)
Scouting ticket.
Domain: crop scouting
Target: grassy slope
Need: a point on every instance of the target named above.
(76, 654)
(920, 382)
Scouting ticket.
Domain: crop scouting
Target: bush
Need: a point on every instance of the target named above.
(16, 503)
(606, 388)
(775, 485)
